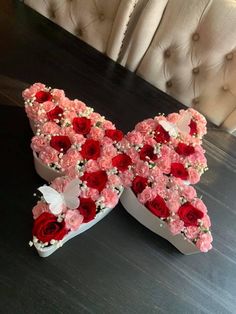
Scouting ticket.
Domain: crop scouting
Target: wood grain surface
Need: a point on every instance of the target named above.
(117, 266)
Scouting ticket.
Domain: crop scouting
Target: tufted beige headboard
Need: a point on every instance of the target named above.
(100, 23)
(191, 54)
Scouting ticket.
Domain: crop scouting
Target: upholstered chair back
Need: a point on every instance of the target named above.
(100, 23)
(190, 54)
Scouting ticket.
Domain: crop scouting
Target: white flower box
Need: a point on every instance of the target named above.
(45, 171)
(46, 251)
(153, 223)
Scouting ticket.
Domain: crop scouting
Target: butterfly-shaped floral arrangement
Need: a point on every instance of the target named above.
(89, 162)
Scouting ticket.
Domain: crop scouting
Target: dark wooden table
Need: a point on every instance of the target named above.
(117, 266)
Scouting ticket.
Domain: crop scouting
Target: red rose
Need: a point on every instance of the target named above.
(139, 184)
(81, 125)
(60, 143)
(161, 135)
(178, 171)
(55, 114)
(121, 162)
(87, 209)
(115, 135)
(158, 207)
(95, 180)
(147, 152)
(47, 228)
(189, 214)
(90, 149)
(185, 150)
(193, 127)
(43, 96)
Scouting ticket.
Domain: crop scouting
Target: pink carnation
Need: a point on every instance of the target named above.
(206, 222)
(199, 205)
(78, 106)
(49, 155)
(92, 166)
(38, 143)
(126, 178)
(176, 226)
(105, 163)
(58, 94)
(97, 133)
(135, 138)
(145, 126)
(189, 192)
(192, 232)
(110, 198)
(70, 159)
(69, 115)
(133, 154)
(32, 90)
(142, 169)
(40, 208)
(108, 125)
(204, 242)
(60, 183)
(147, 195)
(173, 201)
(90, 193)
(95, 117)
(108, 151)
(194, 176)
(50, 128)
(73, 219)
(114, 180)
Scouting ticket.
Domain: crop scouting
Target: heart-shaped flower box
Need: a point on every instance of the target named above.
(48, 250)
(145, 217)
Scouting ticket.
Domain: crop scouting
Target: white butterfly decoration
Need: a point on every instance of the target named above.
(56, 200)
(182, 125)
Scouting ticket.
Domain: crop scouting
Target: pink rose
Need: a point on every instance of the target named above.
(38, 143)
(176, 226)
(40, 208)
(194, 176)
(110, 198)
(204, 242)
(147, 195)
(50, 128)
(192, 232)
(73, 219)
(49, 155)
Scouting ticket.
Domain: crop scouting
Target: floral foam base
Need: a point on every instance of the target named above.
(153, 223)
